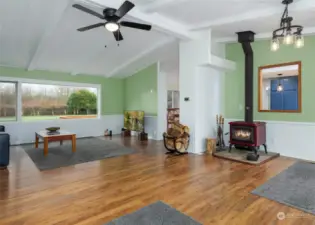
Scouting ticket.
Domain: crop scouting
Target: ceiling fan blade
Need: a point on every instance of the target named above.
(91, 27)
(124, 9)
(118, 36)
(84, 9)
(136, 25)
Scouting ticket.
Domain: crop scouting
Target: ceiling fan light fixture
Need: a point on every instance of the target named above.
(112, 26)
(111, 17)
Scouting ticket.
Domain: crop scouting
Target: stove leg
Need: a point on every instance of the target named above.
(230, 147)
(265, 146)
(256, 150)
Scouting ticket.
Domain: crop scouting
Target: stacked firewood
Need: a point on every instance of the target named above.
(177, 138)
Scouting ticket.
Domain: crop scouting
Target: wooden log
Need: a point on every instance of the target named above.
(170, 144)
(179, 145)
(186, 129)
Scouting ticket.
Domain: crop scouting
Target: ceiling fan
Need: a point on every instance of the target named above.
(112, 17)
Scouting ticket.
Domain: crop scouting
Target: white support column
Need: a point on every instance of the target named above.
(208, 104)
(191, 55)
(162, 101)
(201, 76)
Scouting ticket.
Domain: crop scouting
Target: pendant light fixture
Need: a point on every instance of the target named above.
(287, 32)
(279, 87)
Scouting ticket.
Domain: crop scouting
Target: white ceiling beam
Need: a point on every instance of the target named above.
(139, 56)
(307, 31)
(298, 6)
(159, 22)
(42, 43)
(155, 5)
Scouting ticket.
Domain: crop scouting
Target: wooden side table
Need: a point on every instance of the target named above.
(60, 136)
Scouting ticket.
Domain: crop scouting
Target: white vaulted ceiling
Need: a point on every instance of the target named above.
(41, 34)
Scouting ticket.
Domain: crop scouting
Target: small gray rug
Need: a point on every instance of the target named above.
(155, 214)
(87, 150)
(293, 187)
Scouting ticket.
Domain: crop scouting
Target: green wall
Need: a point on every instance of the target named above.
(141, 91)
(112, 89)
(234, 81)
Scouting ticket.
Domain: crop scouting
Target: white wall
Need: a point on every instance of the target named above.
(151, 126)
(292, 139)
(168, 79)
(218, 49)
(208, 105)
(24, 132)
(162, 100)
(201, 79)
(173, 80)
(191, 55)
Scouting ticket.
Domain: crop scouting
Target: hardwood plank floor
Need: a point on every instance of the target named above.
(211, 190)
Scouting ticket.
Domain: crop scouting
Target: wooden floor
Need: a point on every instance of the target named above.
(211, 190)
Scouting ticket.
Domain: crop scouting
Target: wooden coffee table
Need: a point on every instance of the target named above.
(61, 136)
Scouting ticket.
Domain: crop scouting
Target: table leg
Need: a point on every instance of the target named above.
(61, 142)
(36, 141)
(73, 143)
(45, 146)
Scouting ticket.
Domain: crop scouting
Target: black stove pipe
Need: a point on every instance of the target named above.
(245, 38)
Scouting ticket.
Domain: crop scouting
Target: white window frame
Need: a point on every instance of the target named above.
(19, 82)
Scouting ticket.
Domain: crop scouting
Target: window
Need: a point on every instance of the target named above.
(287, 99)
(280, 87)
(45, 102)
(30, 100)
(8, 97)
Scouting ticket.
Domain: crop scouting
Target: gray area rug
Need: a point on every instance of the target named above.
(155, 214)
(293, 187)
(87, 150)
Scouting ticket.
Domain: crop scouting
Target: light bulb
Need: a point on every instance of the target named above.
(111, 26)
(288, 38)
(274, 44)
(299, 41)
(279, 88)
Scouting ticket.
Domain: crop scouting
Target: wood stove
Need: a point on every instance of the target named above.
(248, 135)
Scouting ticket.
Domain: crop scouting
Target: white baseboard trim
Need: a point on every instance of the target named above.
(24, 132)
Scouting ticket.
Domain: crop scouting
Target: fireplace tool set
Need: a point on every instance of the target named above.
(220, 131)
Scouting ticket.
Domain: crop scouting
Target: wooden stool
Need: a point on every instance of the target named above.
(211, 145)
